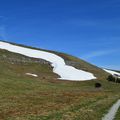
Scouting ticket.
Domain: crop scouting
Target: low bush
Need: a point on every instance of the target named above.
(98, 85)
(113, 78)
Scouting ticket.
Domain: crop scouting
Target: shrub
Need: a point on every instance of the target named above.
(98, 85)
(118, 80)
(113, 78)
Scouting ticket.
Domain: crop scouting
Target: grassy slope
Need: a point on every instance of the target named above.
(118, 115)
(46, 98)
(81, 64)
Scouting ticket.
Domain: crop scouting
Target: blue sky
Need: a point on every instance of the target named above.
(89, 29)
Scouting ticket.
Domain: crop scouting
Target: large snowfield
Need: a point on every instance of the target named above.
(59, 67)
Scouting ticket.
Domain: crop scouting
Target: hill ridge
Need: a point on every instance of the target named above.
(70, 60)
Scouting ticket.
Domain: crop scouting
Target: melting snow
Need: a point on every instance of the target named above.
(31, 74)
(59, 67)
(112, 72)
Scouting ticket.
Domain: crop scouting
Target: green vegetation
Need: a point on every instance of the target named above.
(113, 78)
(45, 97)
(118, 115)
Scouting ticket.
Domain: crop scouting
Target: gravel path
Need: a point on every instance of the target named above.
(112, 112)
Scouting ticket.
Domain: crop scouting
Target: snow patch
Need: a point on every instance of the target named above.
(59, 67)
(112, 72)
(31, 74)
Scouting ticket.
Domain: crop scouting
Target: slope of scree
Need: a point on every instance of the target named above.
(72, 61)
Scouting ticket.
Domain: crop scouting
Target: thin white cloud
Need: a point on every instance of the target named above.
(97, 23)
(98, 53)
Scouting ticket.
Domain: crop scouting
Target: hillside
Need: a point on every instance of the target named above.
(25, 97)
(75, 62)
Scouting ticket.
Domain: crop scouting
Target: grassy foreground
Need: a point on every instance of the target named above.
(118, 115)
(24, 97)
(27, 98)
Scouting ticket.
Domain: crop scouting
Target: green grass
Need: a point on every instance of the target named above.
(47, 98)
(24, 98)
(118, 115)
